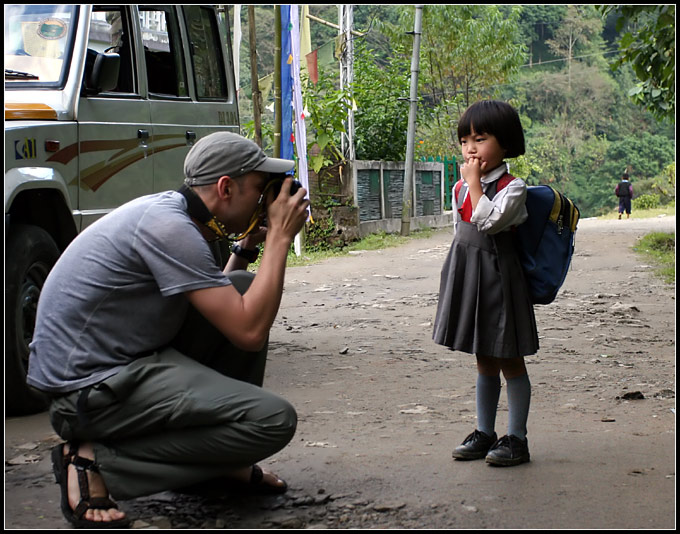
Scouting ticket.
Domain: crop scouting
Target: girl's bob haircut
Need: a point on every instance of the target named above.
(495, 118)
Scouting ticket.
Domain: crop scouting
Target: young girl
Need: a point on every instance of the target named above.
(484, 307)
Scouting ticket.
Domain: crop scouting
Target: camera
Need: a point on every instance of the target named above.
(277, 181)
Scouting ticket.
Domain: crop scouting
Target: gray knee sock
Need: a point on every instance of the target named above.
(519, 396)
(488, 392)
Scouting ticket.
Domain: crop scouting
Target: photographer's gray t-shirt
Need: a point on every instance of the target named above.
(117, 292)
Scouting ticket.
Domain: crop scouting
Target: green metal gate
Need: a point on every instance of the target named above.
(451, 175)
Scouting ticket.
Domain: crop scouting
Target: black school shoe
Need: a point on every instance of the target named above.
(475, 446)
(509, 450)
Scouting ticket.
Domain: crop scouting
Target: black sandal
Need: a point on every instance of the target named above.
(221, 486)
(258, 487)
(60, 464)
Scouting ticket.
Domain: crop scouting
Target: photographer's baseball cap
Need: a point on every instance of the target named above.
(227, 153)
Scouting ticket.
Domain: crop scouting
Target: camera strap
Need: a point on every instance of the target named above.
(197, 210)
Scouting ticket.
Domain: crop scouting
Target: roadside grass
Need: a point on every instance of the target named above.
(659, 248)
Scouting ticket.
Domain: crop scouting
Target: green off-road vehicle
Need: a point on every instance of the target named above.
(102, 104)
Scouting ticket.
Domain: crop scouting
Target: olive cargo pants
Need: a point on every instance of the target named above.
(184, 415)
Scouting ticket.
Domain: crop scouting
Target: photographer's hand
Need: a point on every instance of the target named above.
(247, 319)
(286, 214)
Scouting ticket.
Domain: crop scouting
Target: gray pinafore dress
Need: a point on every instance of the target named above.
(484, 307)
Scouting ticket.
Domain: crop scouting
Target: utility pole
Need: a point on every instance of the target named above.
(411, 133)
(257, 95)
(346, 20)
(277, 81)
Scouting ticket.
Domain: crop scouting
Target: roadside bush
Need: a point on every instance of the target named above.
(646, 202)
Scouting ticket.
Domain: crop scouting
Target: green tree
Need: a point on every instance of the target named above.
(467, 51)
(576, 32)
(326, 110)
(570, 110)
(648, 45)
(644, 156)
(381, 117)
(538, 24)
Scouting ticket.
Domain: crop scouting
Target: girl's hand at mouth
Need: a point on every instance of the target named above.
(472, 170)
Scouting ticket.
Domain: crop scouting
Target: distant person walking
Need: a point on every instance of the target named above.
(624, 190)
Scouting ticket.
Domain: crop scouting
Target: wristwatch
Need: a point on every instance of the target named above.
(250, 255)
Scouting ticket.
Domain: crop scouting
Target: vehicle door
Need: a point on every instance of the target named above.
(191, 83)
(114, 126)
(169, 100)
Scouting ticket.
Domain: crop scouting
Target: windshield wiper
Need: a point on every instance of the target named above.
(19, 75)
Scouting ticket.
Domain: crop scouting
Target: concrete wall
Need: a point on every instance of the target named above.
(377, 189)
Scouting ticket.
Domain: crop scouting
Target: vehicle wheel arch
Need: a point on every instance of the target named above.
(43, 203)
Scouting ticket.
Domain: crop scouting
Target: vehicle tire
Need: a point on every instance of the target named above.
(30, 254)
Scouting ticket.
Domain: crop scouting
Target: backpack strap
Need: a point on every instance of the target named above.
(499, 184)
(463, 202)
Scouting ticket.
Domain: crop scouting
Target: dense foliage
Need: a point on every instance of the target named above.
(648, 45)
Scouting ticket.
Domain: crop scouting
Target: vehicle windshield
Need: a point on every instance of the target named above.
(37, 44)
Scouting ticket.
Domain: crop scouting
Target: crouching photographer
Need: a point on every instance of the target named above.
(156, 362)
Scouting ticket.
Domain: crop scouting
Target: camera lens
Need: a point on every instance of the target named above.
(294, 187)
(278, 182)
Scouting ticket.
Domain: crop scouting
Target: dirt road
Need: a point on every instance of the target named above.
(381, 407)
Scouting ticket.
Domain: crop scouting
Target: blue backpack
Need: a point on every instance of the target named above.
(545, 241)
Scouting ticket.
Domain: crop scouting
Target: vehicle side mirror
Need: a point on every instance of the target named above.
(101, 72)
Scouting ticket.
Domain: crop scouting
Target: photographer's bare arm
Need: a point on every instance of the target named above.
(246, 319)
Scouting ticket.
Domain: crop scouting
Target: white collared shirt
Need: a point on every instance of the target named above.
(507, 208)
